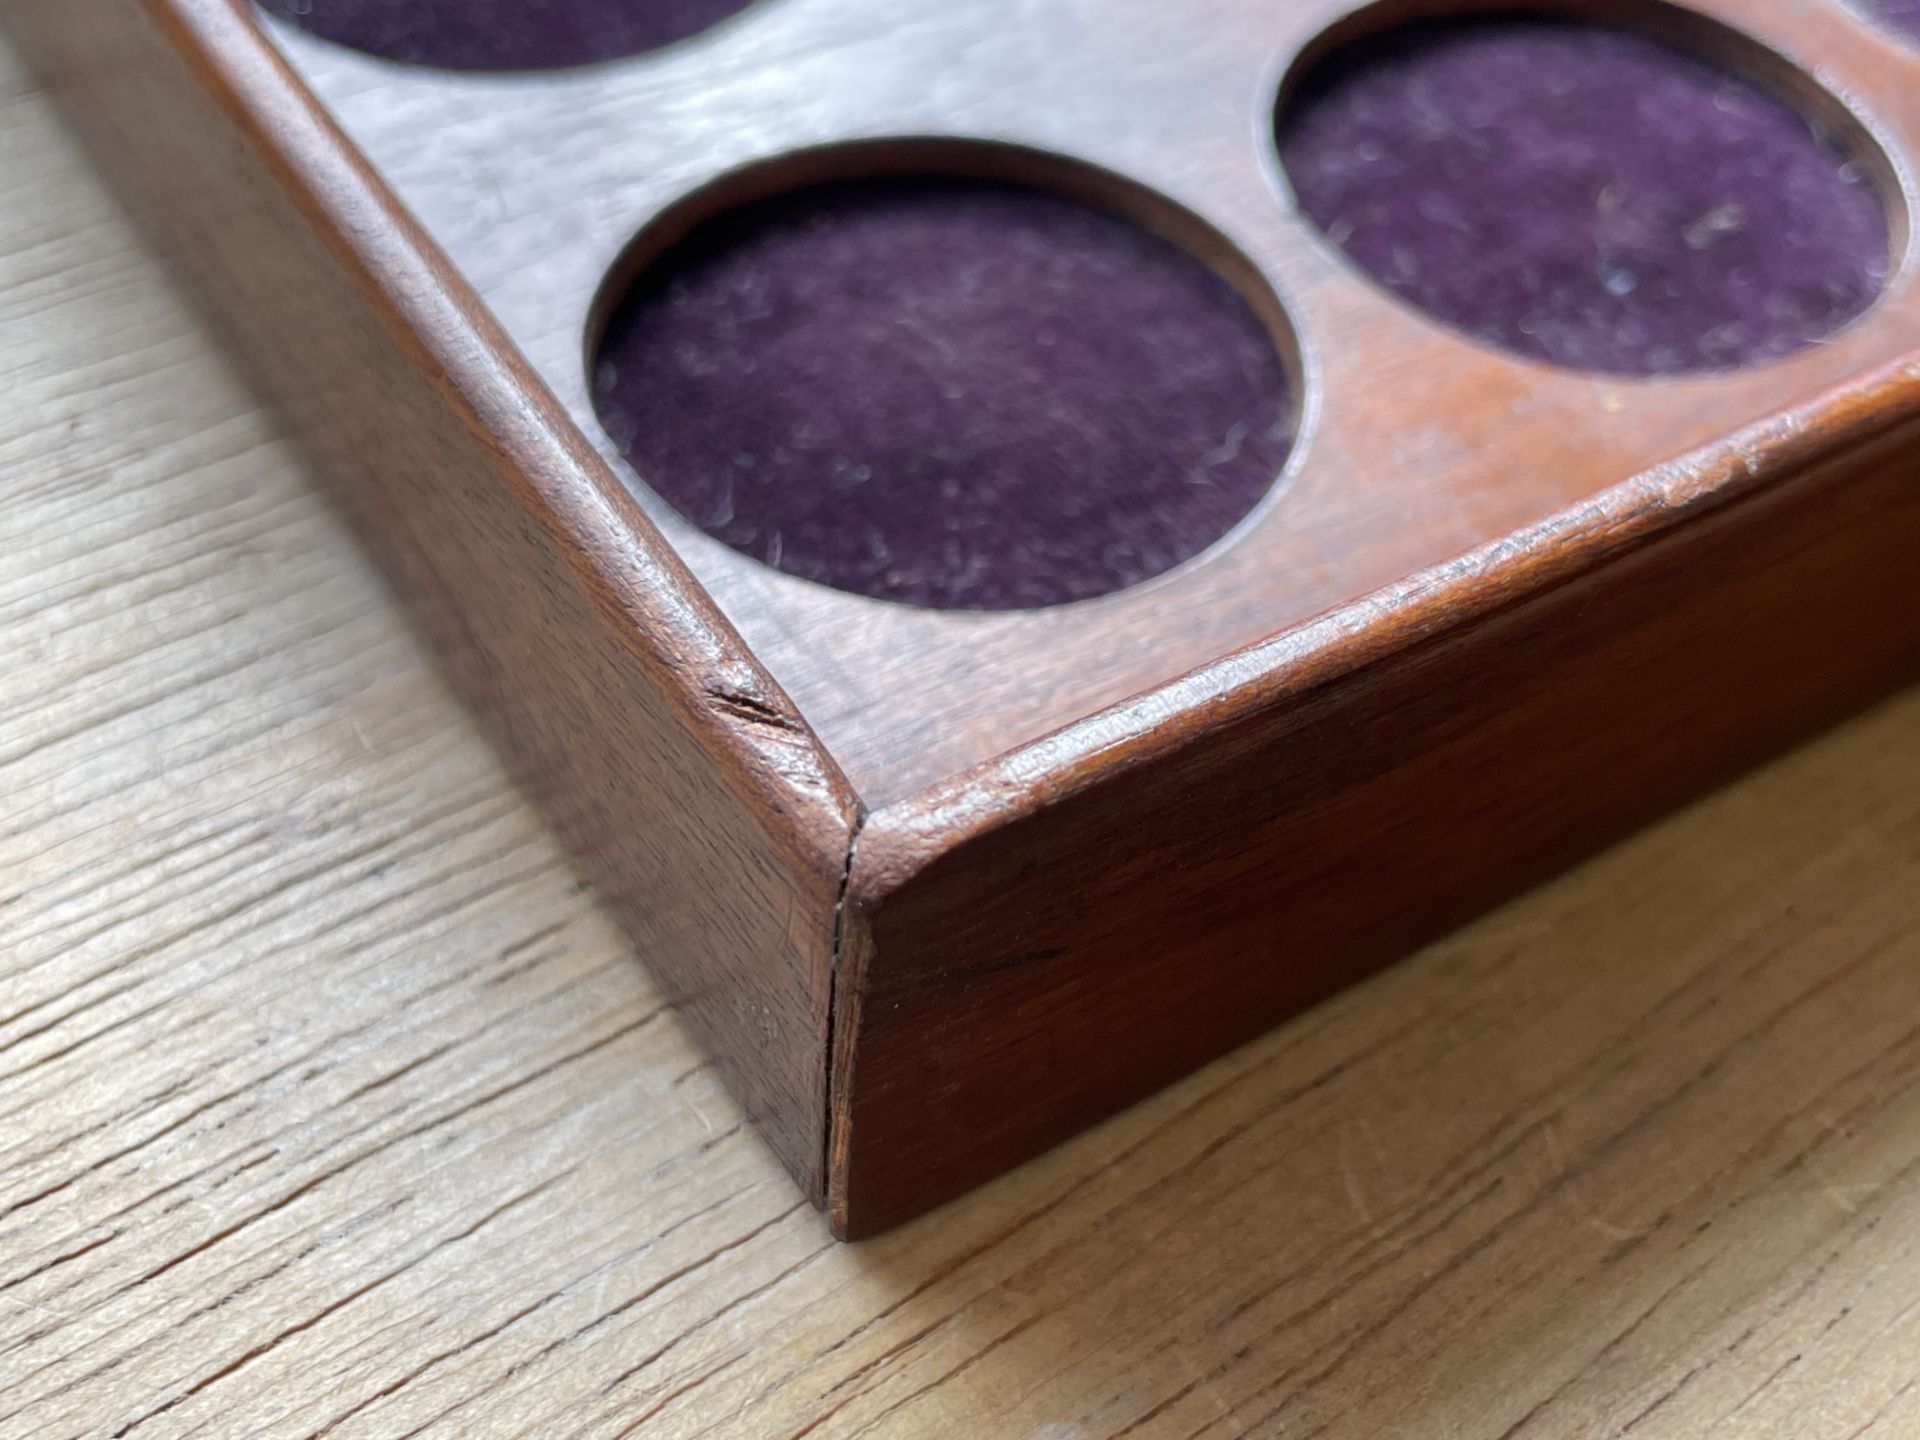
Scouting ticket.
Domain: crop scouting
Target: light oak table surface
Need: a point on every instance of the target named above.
(330, 1105)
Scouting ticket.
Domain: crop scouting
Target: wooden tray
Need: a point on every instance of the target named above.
(938, 889)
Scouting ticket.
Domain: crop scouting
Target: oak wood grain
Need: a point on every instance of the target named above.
(329, 1104)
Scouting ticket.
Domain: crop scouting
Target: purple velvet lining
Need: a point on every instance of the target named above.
(504, 35)
(943, 392)
(1584, 195)
(1900, 15)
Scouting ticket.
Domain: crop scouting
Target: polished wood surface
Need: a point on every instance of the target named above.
(938, 896)
(707, 817)
(1417, 445)
(1057, 947)
(330, 1104)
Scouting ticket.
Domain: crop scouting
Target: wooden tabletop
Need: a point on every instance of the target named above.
(330, 1104)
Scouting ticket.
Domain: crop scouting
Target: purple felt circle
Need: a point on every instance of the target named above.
(945, 392)
(503, 35)
(1583, 195)
(1902, 16)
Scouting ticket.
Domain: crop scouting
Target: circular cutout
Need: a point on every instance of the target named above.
(1583, 194)
(1900, 16)
(503, 35)
(947, 392)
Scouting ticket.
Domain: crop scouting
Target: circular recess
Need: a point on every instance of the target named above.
(1900, 16)
(503, 35)
(946, 391)
(1595, 197)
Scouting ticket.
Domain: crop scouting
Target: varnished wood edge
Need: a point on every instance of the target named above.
(852, 958)
(1663, 508)
(645, 606)
(641, 589)
(637, 583)
(900, 838)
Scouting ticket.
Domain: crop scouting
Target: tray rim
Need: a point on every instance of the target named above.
(339, 185)
(763, 753)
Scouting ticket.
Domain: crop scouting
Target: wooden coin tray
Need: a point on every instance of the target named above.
(937, 889)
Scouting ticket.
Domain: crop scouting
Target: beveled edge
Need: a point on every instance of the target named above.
(952, 728)
(761, 748)
(1563, 547)
(901, 840)
(672, 627)
(671, 624)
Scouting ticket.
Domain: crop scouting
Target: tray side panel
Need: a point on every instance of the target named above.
(685, 784)
(1011, 980)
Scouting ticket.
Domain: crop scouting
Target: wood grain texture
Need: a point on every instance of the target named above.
(1486, 625)
(705, 813)
(1024, 957)
(1417, 445)
(329, 1104)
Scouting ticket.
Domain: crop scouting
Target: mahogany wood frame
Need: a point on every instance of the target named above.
(910, 992)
